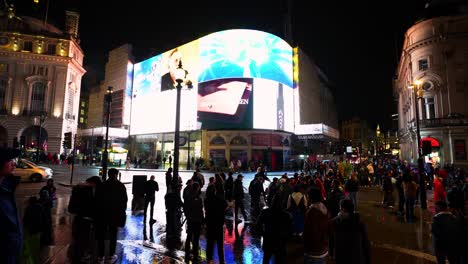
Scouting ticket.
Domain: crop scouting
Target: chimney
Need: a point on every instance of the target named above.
(71, 23)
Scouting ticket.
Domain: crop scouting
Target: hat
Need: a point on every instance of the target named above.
(7, 154)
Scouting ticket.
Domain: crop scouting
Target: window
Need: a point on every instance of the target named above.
(81, 112)
(423, 64)
(81, 120)
(3, 68)
(3, 87)
(38, 97)
(51, 49)
(71, 99)
(429, 107)
(27, 46)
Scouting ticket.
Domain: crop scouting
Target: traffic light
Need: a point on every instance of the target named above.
(426, 147)
(67, 142)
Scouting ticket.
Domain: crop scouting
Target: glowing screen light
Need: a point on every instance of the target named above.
(225, 70)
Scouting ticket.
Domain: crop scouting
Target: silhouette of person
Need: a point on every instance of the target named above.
(151, 186)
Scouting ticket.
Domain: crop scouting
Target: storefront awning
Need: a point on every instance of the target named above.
(434, 142)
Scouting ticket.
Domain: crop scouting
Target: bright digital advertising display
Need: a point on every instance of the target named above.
(240, 78)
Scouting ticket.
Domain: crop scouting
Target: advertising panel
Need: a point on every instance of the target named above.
(128, 95)
(225, 103)
(225, 69)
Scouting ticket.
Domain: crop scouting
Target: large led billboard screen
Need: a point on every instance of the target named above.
(241, 79)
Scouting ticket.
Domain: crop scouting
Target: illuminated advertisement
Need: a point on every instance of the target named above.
(128, 95)
(239, 79)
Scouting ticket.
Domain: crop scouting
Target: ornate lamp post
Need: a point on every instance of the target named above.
(416, 87)
(42, 119)
(173, 207)
(105, 155)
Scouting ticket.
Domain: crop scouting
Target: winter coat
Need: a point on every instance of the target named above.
(193, 209)
(228, 187)
(352, 185)
(316, 230)
(447, 234)
(111, 198)
(238, 190)
(439, 191)
(214, 210)
(410, 189)
(349, 241)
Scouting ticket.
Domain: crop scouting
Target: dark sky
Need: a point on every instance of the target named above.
(356, 43)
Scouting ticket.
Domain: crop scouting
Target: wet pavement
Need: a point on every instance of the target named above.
(393, 240)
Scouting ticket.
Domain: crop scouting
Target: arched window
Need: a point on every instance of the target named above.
(218, 140)
(38, 97)
(238, 140)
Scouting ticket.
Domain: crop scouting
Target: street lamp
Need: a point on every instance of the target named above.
(173, 221)
(105, 155)
(188, 151)
(42, 119)
(416, 87)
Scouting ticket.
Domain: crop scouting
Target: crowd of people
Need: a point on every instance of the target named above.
(317, 207)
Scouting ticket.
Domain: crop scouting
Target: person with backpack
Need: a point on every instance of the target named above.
(274, 224)
(297, 204)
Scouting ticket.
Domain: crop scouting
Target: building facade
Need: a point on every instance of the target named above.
(40, 79)
(432, 81)
(118, 76)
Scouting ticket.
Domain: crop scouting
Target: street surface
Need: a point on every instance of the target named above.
(393, 240)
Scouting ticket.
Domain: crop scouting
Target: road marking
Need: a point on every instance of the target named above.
(407, 251)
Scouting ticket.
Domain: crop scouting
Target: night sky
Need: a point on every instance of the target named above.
(356, 43)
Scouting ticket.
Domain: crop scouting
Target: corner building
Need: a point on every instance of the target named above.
(435, 62)
(246, 102)
(40, 80)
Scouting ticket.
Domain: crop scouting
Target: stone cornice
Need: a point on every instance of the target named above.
(34, 56)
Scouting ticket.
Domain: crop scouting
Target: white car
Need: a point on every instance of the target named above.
(29, 171)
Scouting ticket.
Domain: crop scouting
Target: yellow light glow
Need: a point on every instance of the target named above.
(418, 82)
(57, 113)
(15, 110)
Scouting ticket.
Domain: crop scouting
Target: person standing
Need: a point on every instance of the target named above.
(316, 230)
(349, 242)
(446, 235)
(352, 187)
(274, 224)
(297, 206)
(11, 237)
(439, 190)
(151, 187)
(111, 197)
(215, 206)
(50, 188)
(193, 209)
(409, 190)
(238, 193)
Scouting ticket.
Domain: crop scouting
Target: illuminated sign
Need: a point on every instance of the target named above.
(240, 78)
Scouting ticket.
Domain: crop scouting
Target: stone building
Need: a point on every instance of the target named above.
(40, 79)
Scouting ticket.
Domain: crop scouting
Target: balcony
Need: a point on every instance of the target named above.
(440, 122)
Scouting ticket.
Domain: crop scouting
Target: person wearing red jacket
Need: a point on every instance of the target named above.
(439, 190)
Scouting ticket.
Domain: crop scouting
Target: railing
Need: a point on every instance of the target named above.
(435, 122)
